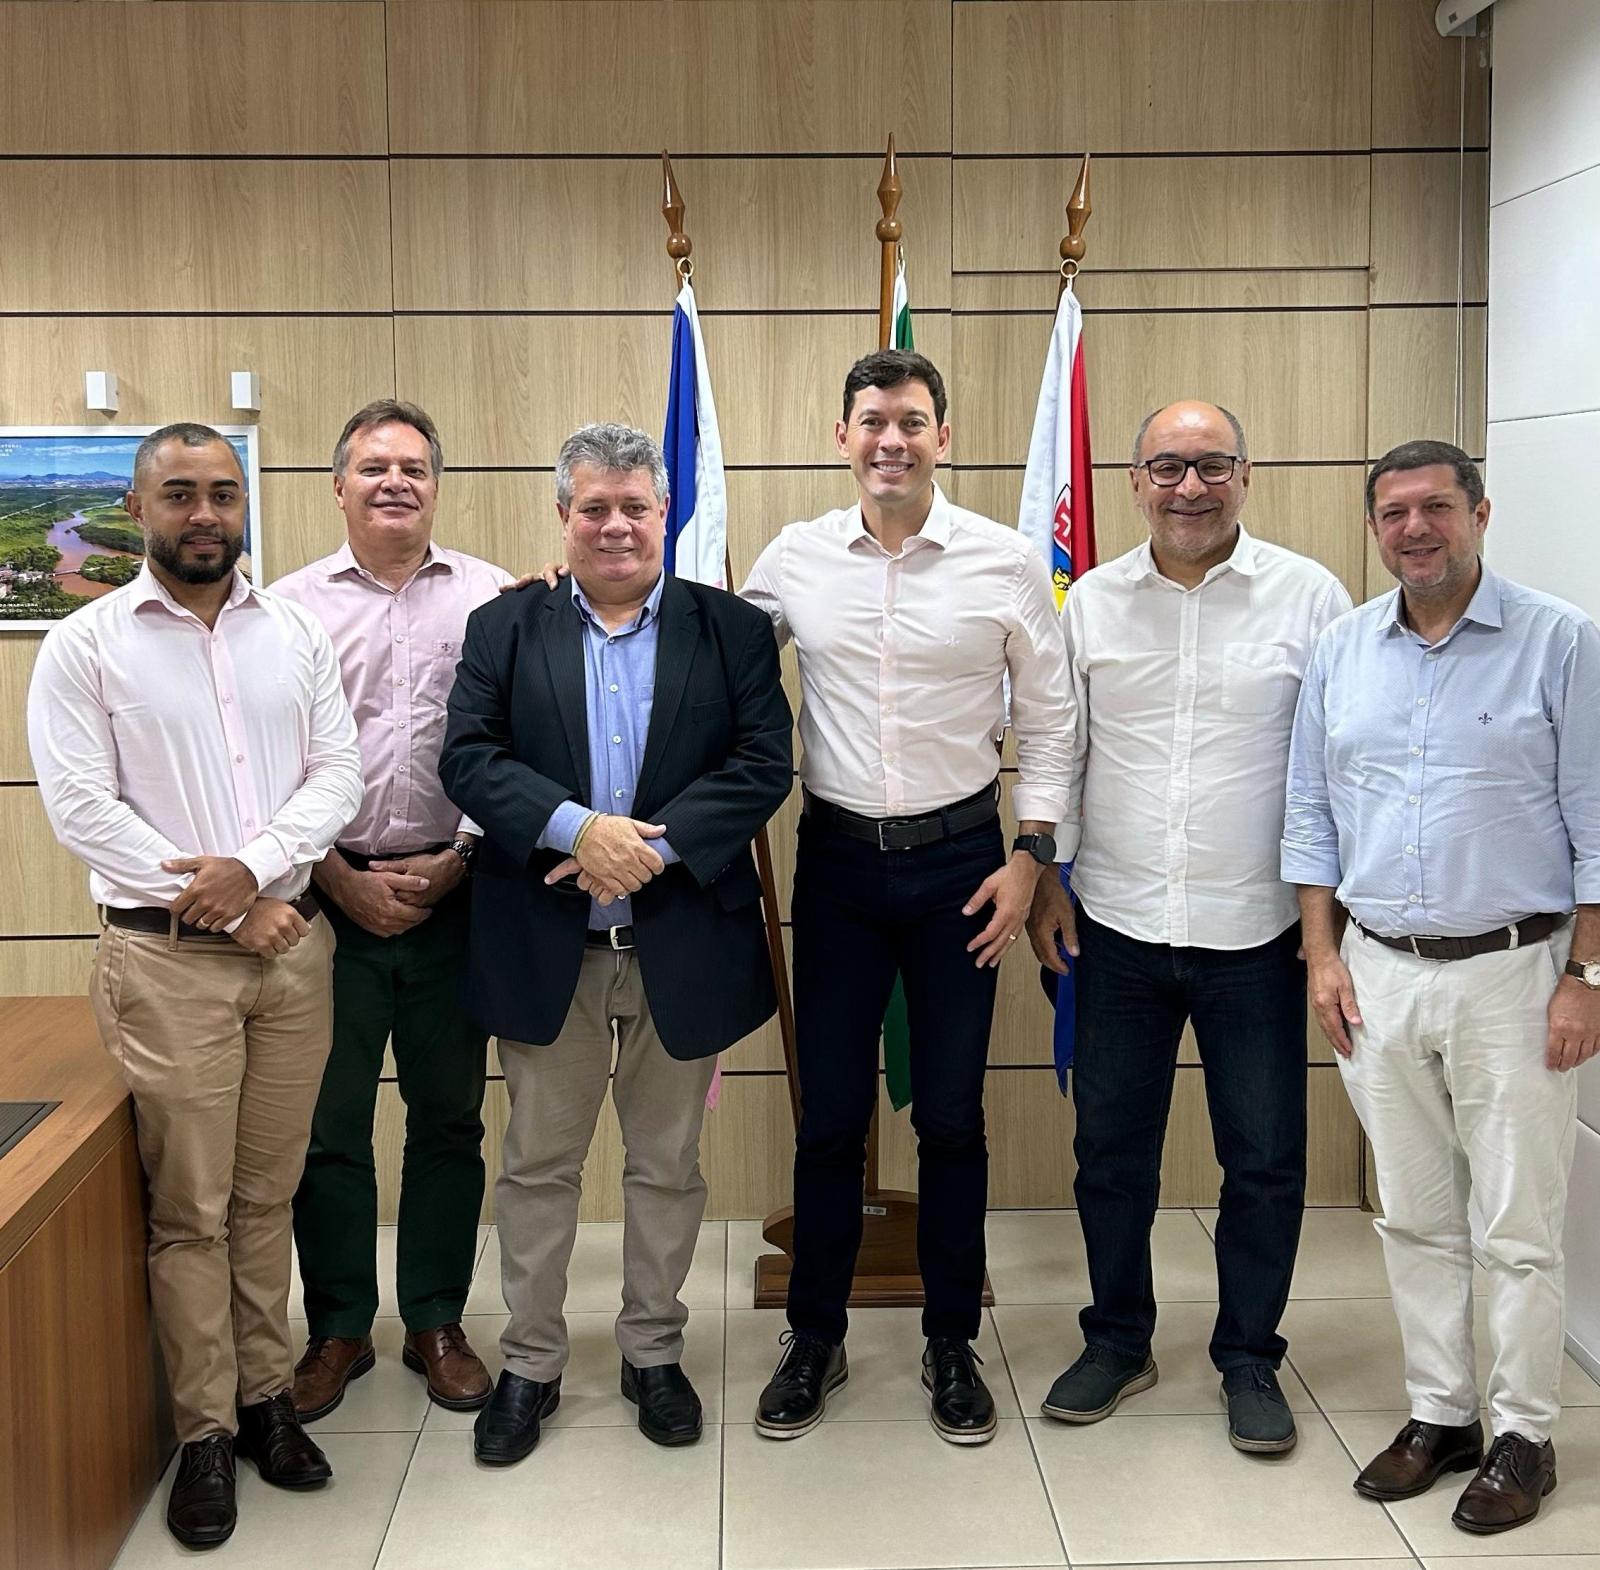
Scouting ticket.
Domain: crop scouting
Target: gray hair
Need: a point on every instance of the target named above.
(617, 448)
(388, 411)
(190, 433)
(1148, 420)
(1425, 455)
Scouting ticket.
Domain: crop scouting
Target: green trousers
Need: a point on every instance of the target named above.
(406, 989)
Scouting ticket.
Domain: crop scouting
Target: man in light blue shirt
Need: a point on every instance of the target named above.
(1444, 796)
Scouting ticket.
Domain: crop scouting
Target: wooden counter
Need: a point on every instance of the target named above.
(83, 1430)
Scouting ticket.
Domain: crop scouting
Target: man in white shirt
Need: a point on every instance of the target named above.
(1186, 656)
(193, 746)
(908, 615)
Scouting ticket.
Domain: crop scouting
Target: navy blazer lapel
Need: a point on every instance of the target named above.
(675, 646)
(563, 652)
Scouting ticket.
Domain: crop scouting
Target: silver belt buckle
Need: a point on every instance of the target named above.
(611, 933)
(884, 823)
(1513, 930)
(1414, 949)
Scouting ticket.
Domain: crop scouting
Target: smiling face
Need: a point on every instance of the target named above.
(388, 491)
(190, 504)
(1191, 522)
(614, 529)
(892, 442)
(1428, 533)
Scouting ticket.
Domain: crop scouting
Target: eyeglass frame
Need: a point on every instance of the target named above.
(1234, 460)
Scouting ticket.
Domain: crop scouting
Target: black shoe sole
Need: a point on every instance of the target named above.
(1143, 1380)
(661, 1436)
(1490, 1528)
(957, 1436)
(211, 1539)
(1389, 1496)
(522, 1452)
(449, 1403)
(770, 1430)
(362, 1365)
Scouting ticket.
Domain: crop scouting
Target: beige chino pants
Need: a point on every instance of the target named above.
(556, 1094)
(223, 1052)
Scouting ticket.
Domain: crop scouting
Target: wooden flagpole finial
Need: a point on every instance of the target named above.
(679, 245)
(889, 232)
(1078, 211)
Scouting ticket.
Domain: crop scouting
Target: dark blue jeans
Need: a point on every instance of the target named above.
(860, 916)
(1249, 1013)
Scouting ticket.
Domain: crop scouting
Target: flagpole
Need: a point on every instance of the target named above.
(889, 232)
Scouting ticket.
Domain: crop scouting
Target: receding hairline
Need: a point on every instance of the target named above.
(160, 450)
(1225, 416)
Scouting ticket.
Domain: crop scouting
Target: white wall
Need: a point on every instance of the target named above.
(1544, 402)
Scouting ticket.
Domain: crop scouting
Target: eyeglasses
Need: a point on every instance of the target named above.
(1214, 468)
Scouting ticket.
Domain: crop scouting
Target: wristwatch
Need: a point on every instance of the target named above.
(467, 850)
(1587, 971)
(1042, 847)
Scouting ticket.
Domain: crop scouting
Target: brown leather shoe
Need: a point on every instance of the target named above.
(326, 1366)
(1515, 1476)
(455, 1373)
(1419, 1454)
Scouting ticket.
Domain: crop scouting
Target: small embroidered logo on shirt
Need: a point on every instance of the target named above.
(1485, 717)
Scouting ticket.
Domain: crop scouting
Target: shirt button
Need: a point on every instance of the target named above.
(1416, 752)
(399, 681)
(613, 686)
(402, 724)
(618, 795)
(401, 769)
(227, 697)
(1413, 799)
(1421, 701)
(612, 640)
(1433, 654)
(238, 757)
(249, 823)
(399, 637)
(1414, 899)
(1411, 850)
(616, 741)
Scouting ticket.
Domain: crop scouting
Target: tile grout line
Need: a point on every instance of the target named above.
(722, 1406)
(1033, 1449)
(394, 1509)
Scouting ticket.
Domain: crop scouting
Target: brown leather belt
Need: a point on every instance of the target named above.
(152, 918)
(1534, 929)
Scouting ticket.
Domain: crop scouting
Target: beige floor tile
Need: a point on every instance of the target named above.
(745, 1243)
(1525, 1562)
(590, 1397)
(1040, 1340)
(388, 1303)
(1147, 1489)
(1348, 1352)
(1038, 1257)
(389, 1399)
(885, 1349)
(339, 1527)
(872, 1495)
(1568, 1522)
(594, 1278)
(585, 1497)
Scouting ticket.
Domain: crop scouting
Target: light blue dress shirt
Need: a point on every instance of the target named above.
(1450, 789)
(619, 684)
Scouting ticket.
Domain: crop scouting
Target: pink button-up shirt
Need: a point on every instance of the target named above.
(398, 650)
(155, 736)
(904, 661)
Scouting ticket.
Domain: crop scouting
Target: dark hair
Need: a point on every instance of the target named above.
(1424, 455)
(388, 411)
(190, 433)
(889, 368)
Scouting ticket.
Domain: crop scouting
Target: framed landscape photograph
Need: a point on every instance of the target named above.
(65, 538)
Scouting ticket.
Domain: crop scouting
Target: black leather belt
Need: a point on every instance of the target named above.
(1533, 930)
(907, 833)
(152, 918)
(361, 861)
(618, 938)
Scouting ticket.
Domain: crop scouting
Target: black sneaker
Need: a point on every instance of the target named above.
(1092, 1388)
(962, 1409)
(1259, 1419)
(797, 1394)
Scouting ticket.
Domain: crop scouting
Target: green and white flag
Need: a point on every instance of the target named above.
(900, 337)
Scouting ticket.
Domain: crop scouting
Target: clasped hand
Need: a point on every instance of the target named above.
(614, 858)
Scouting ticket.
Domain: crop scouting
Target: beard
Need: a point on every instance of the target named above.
(169, 554)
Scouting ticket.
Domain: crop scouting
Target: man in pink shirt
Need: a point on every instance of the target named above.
(394, 888)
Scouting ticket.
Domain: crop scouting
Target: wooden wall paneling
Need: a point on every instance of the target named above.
(188, 78)
(800, 76)
(762, 501)
(1294, 378)
(1412, 385)
(1333, 1140)
(18, 650)
(1416, 79)
(781, 835)
(585, 234)
(45, 967)
(1162, 291)
(747, 1148)
(315, 372)
(1417, 203)
(1149, 75)
(1303, 212)
(44, 890)
(195, 235)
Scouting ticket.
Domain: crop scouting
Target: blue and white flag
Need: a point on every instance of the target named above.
(697, 517)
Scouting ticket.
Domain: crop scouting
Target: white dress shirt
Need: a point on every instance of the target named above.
(904, 660)
(155, 737)
(1185, 702)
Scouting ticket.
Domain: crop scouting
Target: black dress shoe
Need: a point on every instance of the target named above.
(963, 1409)
(669, 1410)
(797, 1394)
(284, 1453)
(507, 1428)
(201, 1511)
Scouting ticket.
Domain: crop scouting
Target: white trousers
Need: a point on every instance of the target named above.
(1449, 1080)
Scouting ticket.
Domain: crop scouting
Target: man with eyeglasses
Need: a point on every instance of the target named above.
(1186, 656)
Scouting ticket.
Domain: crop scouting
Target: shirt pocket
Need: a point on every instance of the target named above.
(443, 655)
(1256, 678)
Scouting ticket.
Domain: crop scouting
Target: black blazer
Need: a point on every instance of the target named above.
(718, 762)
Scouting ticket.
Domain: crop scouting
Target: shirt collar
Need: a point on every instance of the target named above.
(1244, 559)
(344, 560)
(936, 527)
(1484, 608)
(147, 589)
(650, 611)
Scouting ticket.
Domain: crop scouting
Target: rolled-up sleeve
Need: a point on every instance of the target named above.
(1310, 838)
(1578, 760)
(1043, 713)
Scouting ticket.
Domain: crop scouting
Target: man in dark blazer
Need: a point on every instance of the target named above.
(621, 739)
